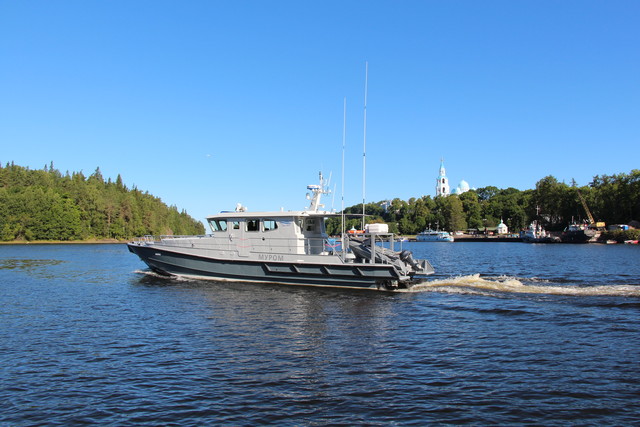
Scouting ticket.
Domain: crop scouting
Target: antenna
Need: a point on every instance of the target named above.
(328, 188)
(344, 137)
(333, 197)
(364, 146)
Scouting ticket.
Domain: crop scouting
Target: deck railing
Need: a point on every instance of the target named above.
(285, 245)
(149, 238)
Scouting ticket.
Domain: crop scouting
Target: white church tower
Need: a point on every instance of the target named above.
(442, 183)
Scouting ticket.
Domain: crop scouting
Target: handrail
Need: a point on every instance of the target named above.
(150, 238)
(308, 245)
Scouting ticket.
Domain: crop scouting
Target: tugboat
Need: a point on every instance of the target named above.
(536, 234)
(582, 232)
(285, 247)
(579, 233)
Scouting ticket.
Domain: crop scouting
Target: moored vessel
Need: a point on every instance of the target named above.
(536, 234)
(579, 233)
(583, 232)
(430, 235)
(289, 247)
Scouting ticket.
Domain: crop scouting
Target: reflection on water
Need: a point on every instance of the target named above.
(505, 335)
(28, 264)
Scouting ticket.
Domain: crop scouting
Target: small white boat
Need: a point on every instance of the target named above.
(434, 236)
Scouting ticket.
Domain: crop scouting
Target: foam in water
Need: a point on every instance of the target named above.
(476, 284)
(151, 273)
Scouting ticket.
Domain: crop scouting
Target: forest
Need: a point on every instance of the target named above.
(46, 205)
(613, 199)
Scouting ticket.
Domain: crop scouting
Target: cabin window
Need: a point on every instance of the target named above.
(236, 225)
(253, 225)
(269, 225)
(309, 225)
(218, 224)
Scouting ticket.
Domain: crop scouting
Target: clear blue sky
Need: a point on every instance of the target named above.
(208, 103)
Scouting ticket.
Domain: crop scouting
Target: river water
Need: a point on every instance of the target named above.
(503, 334)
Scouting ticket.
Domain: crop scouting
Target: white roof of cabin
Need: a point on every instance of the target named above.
(276, 214)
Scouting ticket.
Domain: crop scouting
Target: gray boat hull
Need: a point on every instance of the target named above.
(357, 275)
(579, 236)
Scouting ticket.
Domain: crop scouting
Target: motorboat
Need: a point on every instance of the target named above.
(285, 247)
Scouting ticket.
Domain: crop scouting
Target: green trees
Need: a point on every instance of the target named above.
(45, 205)
(454, 217)
(612, 199)
(472, 208)
(508, 205)
(617, 195)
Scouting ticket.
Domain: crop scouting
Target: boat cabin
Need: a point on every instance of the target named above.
(294, 232)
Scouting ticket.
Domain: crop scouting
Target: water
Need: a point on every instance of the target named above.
(505, 333)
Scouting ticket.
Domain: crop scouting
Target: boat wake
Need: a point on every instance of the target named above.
(153, 274)
(490, 286)
(474, 284)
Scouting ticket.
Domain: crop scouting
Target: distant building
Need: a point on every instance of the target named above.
(463, 187)
(442, 182)
(502, 228)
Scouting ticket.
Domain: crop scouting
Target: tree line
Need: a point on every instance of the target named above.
(44, 204)
(47, 205)
(613, 199)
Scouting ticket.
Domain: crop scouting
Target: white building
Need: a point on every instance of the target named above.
(442, 182)
(463, 187)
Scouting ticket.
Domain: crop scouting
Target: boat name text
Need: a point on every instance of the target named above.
(270, 257)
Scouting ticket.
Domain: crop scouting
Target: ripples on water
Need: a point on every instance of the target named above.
(504, 334)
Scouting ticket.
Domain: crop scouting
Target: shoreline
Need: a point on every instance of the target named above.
(410, 238)
(65, 242)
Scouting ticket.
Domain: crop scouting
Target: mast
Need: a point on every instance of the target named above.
(316, 193)
(364, 147)
(344, 138)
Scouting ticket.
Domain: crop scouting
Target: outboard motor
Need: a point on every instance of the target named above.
(407, 257)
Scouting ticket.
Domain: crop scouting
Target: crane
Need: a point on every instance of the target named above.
(592, 222)
(586, 208)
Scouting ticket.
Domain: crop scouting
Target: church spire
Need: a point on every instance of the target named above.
(443, 173)
(442, 182)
